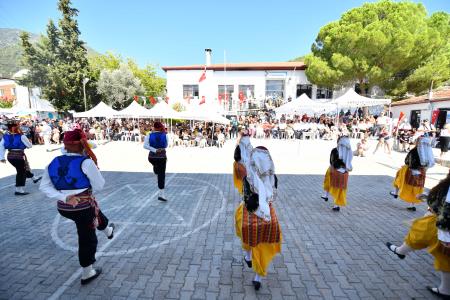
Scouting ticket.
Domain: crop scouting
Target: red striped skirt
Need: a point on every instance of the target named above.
(337, 179)
(417, 180)
(256, 230)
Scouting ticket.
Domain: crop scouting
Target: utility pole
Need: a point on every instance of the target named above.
(85, 80)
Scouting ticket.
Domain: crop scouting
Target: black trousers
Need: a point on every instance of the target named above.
(87, 238)
(159, 168)
(22, 172)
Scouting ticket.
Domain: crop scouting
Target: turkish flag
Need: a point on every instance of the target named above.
(152, 100)
(136, 98)
(202, 101)
(400, 118)
(434, 116)
(203, 77)
(220, 99)
(167, 100)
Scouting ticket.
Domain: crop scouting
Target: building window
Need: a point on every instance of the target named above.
(2, 92)
(13, 91)
(225, 95)
(304, 89)
(247, 91)
(190, 91)
(324, 93)
(275, 89)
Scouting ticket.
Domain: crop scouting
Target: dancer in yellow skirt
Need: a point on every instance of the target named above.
(432, 231)
(255, 219)
(410, 179)
(336, 177)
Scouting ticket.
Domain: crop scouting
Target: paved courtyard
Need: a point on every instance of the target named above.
(186, 248)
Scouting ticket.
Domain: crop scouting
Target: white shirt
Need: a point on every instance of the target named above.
(147, 144)
(24, 140)
(88, 167)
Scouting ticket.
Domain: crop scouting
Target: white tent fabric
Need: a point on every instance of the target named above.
(134, 110)
(163, 110)
(304, 104)
(101, 110)
(37, 104)
(203, 112)
(351, 99)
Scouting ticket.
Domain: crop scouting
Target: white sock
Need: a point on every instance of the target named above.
(88, 272)
(444, 288)
(325, 195)
(248, 255)
(403, 249)
(162, 194)
(20, 189)
(35, 178)
(395, 192)
(335, 206)
(107, 231)
(257, 278)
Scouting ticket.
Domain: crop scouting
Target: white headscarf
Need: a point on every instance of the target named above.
(246, 149)
(425, 152)
(345, 152)
(261, 177)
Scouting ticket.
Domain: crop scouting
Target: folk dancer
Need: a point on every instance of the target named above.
(336, 177)
(156, 142)
(16, 142)
(255, 219)
(73, 179)
(410, 179)
(432, 231)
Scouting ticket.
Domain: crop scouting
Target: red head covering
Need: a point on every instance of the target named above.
(76, 137)
(159, 126)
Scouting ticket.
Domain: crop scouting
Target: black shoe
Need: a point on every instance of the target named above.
(98, 271)
(113, 226)
(337, 208)
(162, 199)
(248, 262)
(37, 179)
(435, 291)
(412, 208)
(401, 256)
(21, 194)
(256, 285)
(324, 198)
(393, 195)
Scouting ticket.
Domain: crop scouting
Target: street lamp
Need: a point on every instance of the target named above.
(85, 80)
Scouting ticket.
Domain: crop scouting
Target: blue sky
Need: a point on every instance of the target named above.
(175, 32)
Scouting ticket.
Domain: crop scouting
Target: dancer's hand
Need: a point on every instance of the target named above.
(72, 200)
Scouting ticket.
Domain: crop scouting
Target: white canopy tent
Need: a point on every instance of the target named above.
(134, 110)
(204, 112)
(162, 110)
(304, 104)
(351, 99)
(100, 110)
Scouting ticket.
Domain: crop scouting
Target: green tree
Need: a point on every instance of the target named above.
(380, 43)
(58, 63)
(119, 86)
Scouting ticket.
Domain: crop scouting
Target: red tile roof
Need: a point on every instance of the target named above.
(439, 95)
(243, 66)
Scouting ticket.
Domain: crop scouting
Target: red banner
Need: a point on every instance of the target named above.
(434, 116)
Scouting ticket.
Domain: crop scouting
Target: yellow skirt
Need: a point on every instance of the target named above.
(263, 253)
(423, 234)
(406, 192)
(339, 195)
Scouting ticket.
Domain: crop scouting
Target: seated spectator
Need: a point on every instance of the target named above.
(361, 148)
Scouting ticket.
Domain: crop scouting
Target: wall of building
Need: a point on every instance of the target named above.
(425, 111)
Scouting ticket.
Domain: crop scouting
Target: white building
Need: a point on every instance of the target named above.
(417, 109)
(242, 86)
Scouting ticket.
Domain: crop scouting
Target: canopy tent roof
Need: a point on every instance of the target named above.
(37, 104)
(163, 110)
(100, 110)
(204, 112)
(353, 99)
(134, 110)
(304, 104)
